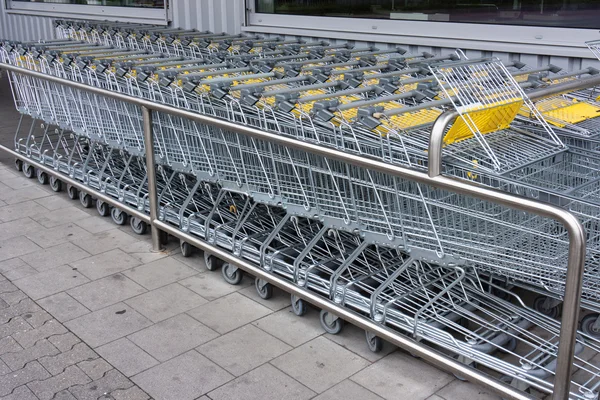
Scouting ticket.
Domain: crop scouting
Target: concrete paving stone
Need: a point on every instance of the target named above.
(9, 173)
(19, 359)
(111, 381)
(19, 227)
(31, 372)
(24, 306)
(195, 261)
(165, 302)
(51, 257)
(16, 247)
(105, 264)
(348, 390)
(353, 339)
(63, 307)
(7, 287)
(133, 393)
(320, 364)
(2, 202)
(13, 327)
(184, 377)
(29, 337)
(228, 313)
(64, 395)
(55, 202)
(22, 210)
(18, 196)
(172, 337)
(106, 291)
(9, 265)
(13, 297)
(401, 375)
(126, 357)
(95, 368)
(264, 383)
(9, 345)
(142, 251)
(19, 182)
(96, 224)
(64, 342)
(55, 364)
(160, 273)
(38, 318)
(104, 241)
(243, 349)
(52, 219)
(20, 393)
(279, 301)
(19, 272)
(60, 234)
(211, 286)
(45, 390)
(51, 281)
(457, 390)
(288, 327)
(110, 323)
(4, 369)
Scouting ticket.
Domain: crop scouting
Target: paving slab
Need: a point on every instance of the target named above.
(160, 273)
(400, 375)
(254, 386)
(21, 210)
(52, 219)
(104, 241)
(457, 390)
(106, 291)
(18, 196)
(165, 302)
(63, 307)
(185, 377)
(60, 234)
(96, 224)
(126, 356)
(52, 281)
(290, 328)
(15, 247)
(19, 227)
(320, 364)
(228, 313)
(105, 264)
(55, 201)
(110, 323)
(211, 285)
(20, 271)
(348, 390)
(55, 256)
(173, 337)
(243, 349)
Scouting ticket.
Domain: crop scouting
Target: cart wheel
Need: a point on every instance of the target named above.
(72, 192)
(42, 177)
(374, 342)
(55, 184)
(539, 304)
(298, 306)
(118, 216)
(138, 226)
(263, 288)
(86, 200)
(102, 208)
(28, 170)
(232, 275)
(509, 347)
(212, 263)
(186, 248)
(587, 325)
(18, 164)
(330, 322)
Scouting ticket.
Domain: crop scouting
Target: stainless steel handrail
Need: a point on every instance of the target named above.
(576, 232)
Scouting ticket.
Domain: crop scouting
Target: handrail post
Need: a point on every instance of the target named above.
(575, 268)
(151, 172)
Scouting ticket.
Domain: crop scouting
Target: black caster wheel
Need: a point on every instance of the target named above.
(119, 217)
(138, 226)
(186, 249)
(374, 342)
(18, 164)
(540, 304)
(263, 288)
(212, 263)
(330, 322)
(42, 177)
(28, 171)
(86, 200)
(163, 237)
(72, 192)
(232, 275)
(298, 306)
(55, 184)
(587, 325)
(102, 208)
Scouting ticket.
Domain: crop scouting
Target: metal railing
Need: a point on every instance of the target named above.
(577, 237)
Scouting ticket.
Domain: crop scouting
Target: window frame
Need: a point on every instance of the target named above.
(551, 41)
(159, 16)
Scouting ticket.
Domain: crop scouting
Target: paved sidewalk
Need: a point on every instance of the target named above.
(88, 312)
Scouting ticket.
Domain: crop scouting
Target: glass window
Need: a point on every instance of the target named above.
(107, 3)
(550, 13)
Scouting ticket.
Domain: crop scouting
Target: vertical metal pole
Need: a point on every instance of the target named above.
(151, 171)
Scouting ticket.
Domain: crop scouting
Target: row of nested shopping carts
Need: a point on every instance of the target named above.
(451, 271)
